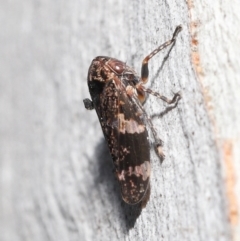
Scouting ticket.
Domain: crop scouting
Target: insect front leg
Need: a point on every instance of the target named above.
(88, 104)
(144, 70)
(158, 142)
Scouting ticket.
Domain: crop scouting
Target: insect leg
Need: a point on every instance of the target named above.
(177, 96)
(88, 104)
(144, 71)
(158, 142)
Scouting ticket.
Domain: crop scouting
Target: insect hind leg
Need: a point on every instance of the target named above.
(158, 143)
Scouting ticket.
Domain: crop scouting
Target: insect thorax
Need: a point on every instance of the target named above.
(105, 69)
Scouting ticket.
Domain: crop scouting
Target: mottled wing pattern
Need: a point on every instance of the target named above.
(124, 129)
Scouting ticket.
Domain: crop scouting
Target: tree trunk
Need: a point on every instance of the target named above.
(56, 171)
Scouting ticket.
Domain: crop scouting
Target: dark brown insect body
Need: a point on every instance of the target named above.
(117, 94)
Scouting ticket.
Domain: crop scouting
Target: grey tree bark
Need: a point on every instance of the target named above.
(56, 172)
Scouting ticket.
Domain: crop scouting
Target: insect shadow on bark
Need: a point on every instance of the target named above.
(128, 214)
(165, 111)
(155, 78)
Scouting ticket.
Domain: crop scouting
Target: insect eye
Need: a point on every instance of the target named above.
(117, 66)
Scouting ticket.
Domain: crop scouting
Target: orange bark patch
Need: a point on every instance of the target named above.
(230, 182)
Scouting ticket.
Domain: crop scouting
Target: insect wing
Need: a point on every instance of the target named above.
(125, 131)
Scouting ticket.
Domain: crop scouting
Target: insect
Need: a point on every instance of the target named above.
(118, 95)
